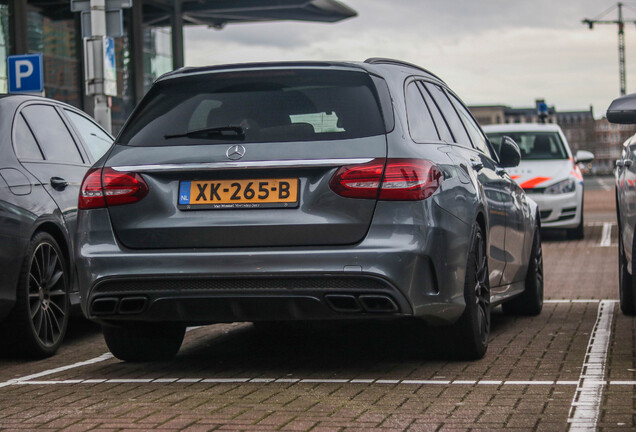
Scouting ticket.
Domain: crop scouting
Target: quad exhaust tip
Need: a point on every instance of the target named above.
(116, 306)
(132, 305)
(364, 303)
(104, 306)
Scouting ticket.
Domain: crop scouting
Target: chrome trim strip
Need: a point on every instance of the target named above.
(231, 165)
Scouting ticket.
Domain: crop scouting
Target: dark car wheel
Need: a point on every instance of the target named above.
(473, 328)
(136, 342)
(579, 232)
(625, 280)
(37, 324)
(531, 301)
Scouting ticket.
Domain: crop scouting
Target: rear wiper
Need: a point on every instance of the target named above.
(222, 132)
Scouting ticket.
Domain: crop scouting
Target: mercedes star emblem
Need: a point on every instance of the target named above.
(235, 152)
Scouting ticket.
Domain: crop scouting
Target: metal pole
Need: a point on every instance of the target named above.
(18, 31)
(98, 28)
(177, 35)
(621, 48)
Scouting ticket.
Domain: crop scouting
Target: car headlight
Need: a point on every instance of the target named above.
(561, 187)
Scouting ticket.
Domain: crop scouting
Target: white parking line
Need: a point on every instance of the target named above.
(606, 236)
(590, 384)
(586, 403)
(606, 184)
(101, 358)
(579, 301)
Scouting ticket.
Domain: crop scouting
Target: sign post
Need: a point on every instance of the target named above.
(99, 51)
(26, 74)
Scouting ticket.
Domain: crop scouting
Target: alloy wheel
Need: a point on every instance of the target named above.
(482, 291)
(47, 294)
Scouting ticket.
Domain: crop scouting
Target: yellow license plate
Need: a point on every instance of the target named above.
(233, 194)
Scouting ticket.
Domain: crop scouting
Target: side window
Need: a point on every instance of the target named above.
(421, 126)
(51, 133)
(97, 141)
(442, 127)
(24, 143)
(445, 106)
(476, 136)
(386, 103)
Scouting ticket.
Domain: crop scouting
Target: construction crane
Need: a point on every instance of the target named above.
(621, 36)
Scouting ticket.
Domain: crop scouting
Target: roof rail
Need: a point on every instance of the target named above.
(381, 60)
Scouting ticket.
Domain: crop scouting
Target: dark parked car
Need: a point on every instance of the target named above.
(623, 110)
(45, 150)
(303, 191)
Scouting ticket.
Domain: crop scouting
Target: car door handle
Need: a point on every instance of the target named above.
(58, 183)
(477, 165)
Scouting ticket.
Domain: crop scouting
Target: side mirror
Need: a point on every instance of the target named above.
(583, 156)
(623, 110)
(509, 153)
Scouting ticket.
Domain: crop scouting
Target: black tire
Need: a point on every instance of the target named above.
(473, 327)
(530, 302)
(37, 323)
(625, 280)
(579, 232)
(137, 342)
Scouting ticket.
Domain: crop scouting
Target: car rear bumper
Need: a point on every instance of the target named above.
(264, 298)
(403, 274)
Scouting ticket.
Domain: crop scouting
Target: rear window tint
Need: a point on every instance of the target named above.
(421, 124)
(51, 134)
(25, 145)
(257, 106)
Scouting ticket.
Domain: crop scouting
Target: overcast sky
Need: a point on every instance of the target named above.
(507, 52)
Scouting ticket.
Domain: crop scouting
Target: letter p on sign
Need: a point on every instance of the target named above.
(25, 73)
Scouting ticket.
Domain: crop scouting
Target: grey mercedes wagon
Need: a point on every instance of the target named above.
(303, 191)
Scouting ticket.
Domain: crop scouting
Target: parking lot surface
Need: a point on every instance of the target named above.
(572, 367)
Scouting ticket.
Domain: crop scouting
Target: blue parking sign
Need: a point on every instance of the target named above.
(26, 73)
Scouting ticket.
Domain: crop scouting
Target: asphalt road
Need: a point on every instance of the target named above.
(605, 183)
(572, 367)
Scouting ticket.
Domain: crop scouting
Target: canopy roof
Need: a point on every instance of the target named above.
(218, 13)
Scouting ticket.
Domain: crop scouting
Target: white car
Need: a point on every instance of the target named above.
(548, 172)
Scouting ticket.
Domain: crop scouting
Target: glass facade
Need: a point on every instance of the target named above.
(52, 29)
(4, 44)
(57, 40)
(123, 104)
(157, 53)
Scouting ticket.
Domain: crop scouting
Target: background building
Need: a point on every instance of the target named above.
(582, 131)
(151, 46)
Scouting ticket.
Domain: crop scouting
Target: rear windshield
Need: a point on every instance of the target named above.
(533, 145)
(256, 106)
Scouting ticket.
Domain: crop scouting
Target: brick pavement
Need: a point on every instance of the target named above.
(389, 361)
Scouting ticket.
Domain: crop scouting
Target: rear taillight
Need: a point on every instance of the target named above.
(358, 181)
(107, 187)
(388, 179)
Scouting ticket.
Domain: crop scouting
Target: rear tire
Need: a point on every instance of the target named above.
(472, 329)
(625, 280)
(137, 342)
(579, 232)
(530, 302)
(37, 324)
